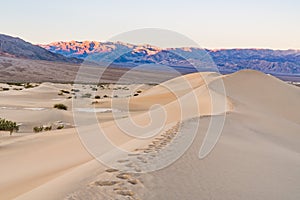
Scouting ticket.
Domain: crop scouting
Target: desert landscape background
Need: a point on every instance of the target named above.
(87, 118)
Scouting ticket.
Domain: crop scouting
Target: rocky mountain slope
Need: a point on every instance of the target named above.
(18, 48)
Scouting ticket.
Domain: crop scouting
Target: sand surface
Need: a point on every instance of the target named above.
(257, 154)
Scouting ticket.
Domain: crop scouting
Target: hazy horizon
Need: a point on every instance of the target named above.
(213, 25)
(134, 43)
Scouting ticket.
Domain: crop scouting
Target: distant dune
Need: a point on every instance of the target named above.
(256, 156)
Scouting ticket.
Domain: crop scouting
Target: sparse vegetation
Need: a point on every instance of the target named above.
(60, 106)
(87, 95)
(17, 88)
(16, 84)
(97, 97)
(65, 91)
(6, 125)
(28, 85)
(75, 90)
(60, 127)
(95, 102)
(48, 128)
(25, 85)
(38, 129)
(104, 86)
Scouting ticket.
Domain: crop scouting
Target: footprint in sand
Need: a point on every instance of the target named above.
(144, 160)
(133, 154)
(125, 192)
(122, 161)
(106, 183)
(123, 176)
(133, 181)
(111, 170)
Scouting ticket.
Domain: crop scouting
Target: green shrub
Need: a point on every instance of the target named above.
(48, 128)
(37, 129)
(60, 106)
(60, 127)
(6, 125)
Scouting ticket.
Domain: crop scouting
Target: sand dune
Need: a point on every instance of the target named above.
(256, 157)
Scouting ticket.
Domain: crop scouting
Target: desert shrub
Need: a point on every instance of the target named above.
(97, 97)
(94, 89)
(87, 95)
(136, 95)
(60, 127)
(37, 129)
(69, 97)
(152, 84)
(16, 84)
(95, 102)
(75, 90)
(60, 106)
(17, 89)
(48, 128)
(65, 91)
(105, 96)
(6, 125)
(5, 89)
(139, 91)
(116, 96)
(28, 85)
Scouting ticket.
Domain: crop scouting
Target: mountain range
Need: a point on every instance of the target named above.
(226, 60)
(128, 55)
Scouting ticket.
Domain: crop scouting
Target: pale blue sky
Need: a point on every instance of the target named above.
(211, 23)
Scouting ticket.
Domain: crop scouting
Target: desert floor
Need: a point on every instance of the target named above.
(197, 136)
